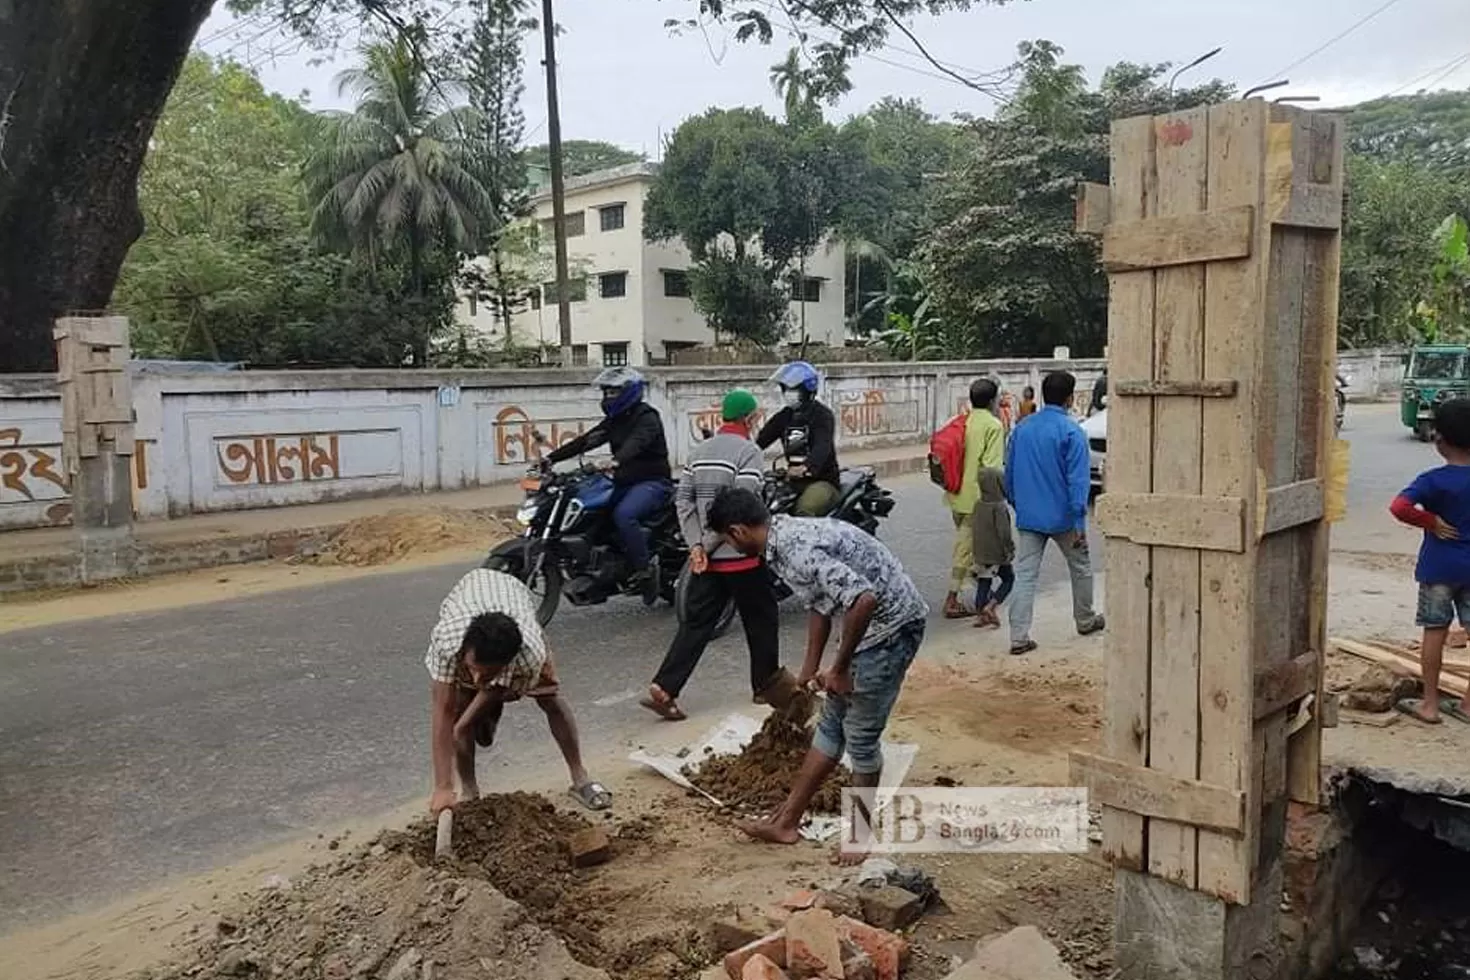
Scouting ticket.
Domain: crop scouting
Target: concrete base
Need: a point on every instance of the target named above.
(1166, 932)
(107, 553)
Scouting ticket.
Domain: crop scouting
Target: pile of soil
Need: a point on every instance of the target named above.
(399, 535)
(758, 779)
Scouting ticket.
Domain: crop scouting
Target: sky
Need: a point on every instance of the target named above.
(625, 78)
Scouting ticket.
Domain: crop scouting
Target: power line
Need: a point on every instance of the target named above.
(1330, 42)
(1443, 71)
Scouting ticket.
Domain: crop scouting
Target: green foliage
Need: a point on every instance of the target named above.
(578, 158)
(738, 297)
(1445, 313)
(1430, 129)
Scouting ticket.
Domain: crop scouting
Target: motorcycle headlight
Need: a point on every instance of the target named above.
(527, 512)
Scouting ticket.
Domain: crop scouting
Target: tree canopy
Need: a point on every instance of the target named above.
(579, 158)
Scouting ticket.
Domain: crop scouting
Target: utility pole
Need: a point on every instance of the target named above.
(558, 187)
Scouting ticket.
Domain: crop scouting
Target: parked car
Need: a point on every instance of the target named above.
(1096, 429)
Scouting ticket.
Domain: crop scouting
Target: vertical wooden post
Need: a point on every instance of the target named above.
(97, 440)
(1221, 235)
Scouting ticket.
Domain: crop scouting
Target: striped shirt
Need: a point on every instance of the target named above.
(725, 459)
(484, 591)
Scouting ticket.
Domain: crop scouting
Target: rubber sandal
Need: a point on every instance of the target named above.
(592, 794)
(667, 710)
(1410, 707)
(1451, 707)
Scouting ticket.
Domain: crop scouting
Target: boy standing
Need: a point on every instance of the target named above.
(985, 448)
(1439, 502)
(838, 571)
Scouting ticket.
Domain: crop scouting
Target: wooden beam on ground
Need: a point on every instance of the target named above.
(1137, 789)
(1182, 239)
(1404, 666)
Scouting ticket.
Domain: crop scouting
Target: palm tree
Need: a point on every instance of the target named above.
(399, 170)
(789, 80)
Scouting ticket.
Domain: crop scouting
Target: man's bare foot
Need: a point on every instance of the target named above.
(1425, 710)
(768, 831)
(849, 857)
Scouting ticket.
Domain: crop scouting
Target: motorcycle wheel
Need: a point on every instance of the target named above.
(681, 599)
(546, 588)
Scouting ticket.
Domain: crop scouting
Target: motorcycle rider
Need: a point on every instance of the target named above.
(808, 433)
(642, 479)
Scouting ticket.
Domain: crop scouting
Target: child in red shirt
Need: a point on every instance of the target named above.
(1439, 502)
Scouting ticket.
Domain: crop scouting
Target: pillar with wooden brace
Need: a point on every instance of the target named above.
(97, 440)
(1220, 233)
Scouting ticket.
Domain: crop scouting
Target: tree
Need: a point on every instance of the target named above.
(580, 157)
(82, 85)
(1431, 129)
(1006, 263)
(400, 172)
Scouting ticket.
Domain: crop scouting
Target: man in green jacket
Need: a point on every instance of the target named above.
(985, 447)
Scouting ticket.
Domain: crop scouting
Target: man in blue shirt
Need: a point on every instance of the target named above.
(1047, 482)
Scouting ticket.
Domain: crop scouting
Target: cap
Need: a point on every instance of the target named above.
(737, 405)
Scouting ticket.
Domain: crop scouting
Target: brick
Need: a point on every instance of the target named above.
(773, 947)
(842, 900)
(589, 847)
(797, 901)
(887, 950)
(890, 907)
(857, 965)
(735, 931)
(813, 946)
(760, 967)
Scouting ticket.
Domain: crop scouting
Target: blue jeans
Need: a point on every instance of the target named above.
(983, 593)
(1030, 546)
(1440, 605)
(631, 506)
(855, 722)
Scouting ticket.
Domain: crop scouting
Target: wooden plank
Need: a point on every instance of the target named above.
(1182, 150)
(1310, 206)
(1094, 208)
(1175, 388)
(1134, 195)
(1233, 310)
(1151, 793)
(1211, 236)
(1291, 505)
(1281, 684)
(1173, 520)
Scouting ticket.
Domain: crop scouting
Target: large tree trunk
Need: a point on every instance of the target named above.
(82, 83)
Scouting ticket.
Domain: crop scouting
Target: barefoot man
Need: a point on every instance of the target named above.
(838, 571)
(486, 651)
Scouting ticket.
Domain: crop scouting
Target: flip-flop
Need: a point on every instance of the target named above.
(1451, 707)
(667, 710)
(592, 794)
(1410, 707)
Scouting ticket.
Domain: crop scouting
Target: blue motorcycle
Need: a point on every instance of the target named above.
(570, 548)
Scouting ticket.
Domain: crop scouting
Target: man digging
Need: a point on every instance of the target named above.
(486, 651)
(835, 569)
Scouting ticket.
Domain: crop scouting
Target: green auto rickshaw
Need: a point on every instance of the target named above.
(1435, 373)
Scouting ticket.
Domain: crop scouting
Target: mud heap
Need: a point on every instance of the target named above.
(383, 539)
(759, 778)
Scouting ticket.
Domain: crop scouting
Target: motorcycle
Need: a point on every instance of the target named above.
(570, 548)
(1341, 409)
(860, 501)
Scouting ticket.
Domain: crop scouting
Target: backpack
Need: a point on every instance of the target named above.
(947, 454)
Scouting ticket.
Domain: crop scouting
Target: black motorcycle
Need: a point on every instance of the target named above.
(570, 546)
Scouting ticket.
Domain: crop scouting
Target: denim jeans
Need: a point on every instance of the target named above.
(1439, 605)
(855, 721)
(1030, 547)
(631, 506)
(984, 593)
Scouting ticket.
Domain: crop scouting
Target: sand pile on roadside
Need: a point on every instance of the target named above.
(399, 535)
(759, 778)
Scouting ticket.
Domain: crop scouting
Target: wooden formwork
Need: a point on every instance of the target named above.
(1221, 235)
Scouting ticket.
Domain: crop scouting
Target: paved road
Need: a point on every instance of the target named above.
(142, 746)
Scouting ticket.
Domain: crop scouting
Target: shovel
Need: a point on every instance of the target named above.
(443, 846)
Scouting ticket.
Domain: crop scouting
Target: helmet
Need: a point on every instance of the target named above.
(797, 374)
(622, 388)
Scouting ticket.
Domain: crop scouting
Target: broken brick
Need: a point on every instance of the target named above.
(890, 907)
(773, 947)
(887, 950)
(797, 901)
(589, 847)
(858, 965)
(813, 947)
(760, 967)
(735, 931)
(843, 900)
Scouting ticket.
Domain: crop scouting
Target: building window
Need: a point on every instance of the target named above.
(612, 285)
(614, 355)
(576, 291)
(806, 289)
(676, 282)
(612, 216)
(579, 355)
(576, 225)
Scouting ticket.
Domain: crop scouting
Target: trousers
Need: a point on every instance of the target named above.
(1030, 547)
(631, 506)
(755, 600)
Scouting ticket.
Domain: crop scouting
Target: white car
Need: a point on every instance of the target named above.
(1096, 429)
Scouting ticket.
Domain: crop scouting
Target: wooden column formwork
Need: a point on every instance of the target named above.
(1221, 234)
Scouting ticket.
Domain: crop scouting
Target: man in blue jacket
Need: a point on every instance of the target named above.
(1047, 482)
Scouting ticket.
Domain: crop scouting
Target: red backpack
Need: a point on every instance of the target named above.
(947, 454)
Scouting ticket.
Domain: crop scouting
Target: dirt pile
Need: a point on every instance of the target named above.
(759, 778)
(399, 535)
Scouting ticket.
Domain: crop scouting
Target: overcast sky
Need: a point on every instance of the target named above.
(626, 79)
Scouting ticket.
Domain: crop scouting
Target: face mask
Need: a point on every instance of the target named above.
(792, 397)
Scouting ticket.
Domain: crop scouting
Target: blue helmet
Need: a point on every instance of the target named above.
(799, 375)
(622, 388)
